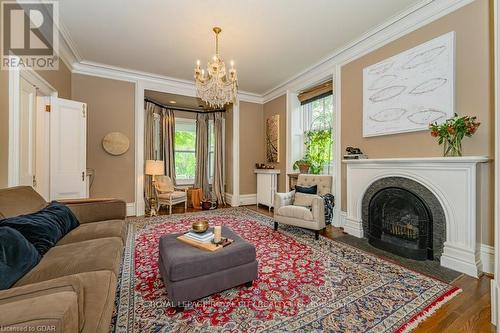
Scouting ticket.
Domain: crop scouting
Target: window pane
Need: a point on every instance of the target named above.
(185, 147)
(185, 165)
(185, 139)
(317, 130)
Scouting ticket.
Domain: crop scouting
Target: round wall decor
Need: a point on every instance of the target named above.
(115, 143)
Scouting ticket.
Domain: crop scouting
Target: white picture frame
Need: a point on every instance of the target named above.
(408, 91)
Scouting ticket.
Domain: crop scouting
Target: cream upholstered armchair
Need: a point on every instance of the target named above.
(168, 194)
(303, 210)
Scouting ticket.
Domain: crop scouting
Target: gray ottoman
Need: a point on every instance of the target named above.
(190, 273)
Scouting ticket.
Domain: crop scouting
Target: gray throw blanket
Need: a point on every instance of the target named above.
(329, 204)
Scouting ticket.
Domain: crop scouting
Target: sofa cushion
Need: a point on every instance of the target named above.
(100, 290)
(17, 256)
(87, 256)
(20, 200)
(44, 228)
(95, 230)
(297, 212)
(306, 189)
(181, 261)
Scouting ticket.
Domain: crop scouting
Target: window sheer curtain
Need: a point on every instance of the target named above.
(159, 141)
(201, 175)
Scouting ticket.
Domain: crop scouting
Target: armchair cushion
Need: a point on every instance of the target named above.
(306, 189)
(304, 200)
(297, 212)
(172, 195)
(164, 184)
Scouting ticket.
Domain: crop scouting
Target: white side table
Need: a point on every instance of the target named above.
(267, 185)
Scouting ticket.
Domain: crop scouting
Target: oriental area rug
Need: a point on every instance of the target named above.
(303, 285)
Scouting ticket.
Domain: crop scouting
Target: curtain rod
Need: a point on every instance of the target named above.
(180, 108)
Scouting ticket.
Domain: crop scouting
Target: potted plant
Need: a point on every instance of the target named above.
(451, 133)
(318, 151)
(303, 165)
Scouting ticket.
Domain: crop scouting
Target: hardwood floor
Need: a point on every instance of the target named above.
(469, 312)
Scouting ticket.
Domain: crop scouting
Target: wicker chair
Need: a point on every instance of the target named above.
(167, 193)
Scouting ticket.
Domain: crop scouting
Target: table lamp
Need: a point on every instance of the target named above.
(154, 168)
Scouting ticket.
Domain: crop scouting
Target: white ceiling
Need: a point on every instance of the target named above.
(269, 40)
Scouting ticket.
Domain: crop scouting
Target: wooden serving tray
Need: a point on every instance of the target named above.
(203, 246)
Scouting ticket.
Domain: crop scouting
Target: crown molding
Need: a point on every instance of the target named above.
(185, 87)
(423, 13)
(397, 26)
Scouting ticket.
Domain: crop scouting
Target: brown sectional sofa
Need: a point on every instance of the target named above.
(72, 289)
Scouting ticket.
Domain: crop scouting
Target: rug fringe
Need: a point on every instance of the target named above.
(428, 311)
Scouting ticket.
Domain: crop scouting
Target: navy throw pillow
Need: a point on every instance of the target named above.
(44, 228)
(17, 257)
(308, 190)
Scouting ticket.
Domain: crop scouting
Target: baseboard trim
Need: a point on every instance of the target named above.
(248, 199)
(131, 209)
(495, 296)
(351, 226)
(487, 255)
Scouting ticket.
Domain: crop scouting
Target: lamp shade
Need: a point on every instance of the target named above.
(154, 167)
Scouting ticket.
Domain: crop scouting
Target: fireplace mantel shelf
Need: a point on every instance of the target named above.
(462, 159)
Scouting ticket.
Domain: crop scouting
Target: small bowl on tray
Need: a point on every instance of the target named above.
(200, 226)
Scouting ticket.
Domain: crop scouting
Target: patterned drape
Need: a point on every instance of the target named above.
(201, 175)
(218, 183)
(159, 140)
(152, 111)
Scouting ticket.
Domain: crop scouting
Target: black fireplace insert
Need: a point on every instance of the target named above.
(400, 222)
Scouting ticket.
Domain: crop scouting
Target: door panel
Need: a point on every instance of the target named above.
(68, 149)
(27, 114)
(42, 147)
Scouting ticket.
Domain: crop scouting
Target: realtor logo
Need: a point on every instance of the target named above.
(29, 36)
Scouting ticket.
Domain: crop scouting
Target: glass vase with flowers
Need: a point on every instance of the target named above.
(451, 133)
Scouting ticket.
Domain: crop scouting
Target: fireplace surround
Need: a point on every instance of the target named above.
(402, 216)
(454, 189)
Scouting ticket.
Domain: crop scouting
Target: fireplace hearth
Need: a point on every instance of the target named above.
(399, 221)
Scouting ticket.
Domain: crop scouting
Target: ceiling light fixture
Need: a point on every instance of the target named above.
(172, 102)
(214, 86)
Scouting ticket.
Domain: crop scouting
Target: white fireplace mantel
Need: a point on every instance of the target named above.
(455, 181)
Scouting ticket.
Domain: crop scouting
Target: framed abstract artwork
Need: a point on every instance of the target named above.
(273, 138)
(408, 91)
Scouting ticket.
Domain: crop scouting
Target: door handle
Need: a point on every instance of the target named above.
(83, 176)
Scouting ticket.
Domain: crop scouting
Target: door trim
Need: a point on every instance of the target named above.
(45, 88)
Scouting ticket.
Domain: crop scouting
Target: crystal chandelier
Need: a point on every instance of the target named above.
(214, 86)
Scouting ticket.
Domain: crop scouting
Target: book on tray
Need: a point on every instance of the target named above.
(204, 237)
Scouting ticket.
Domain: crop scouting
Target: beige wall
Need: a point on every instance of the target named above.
(110, 109)
(251, 144)
(60, 80)
(473, 92)
(278, 106)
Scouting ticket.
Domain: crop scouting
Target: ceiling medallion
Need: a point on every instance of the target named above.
(214, 86)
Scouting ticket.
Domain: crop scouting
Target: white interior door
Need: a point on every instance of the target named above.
(27, 121)
(68, 127)
(42, 167)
